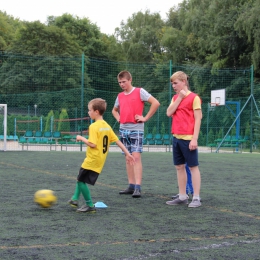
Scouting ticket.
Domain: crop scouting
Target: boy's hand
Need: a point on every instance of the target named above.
(193, 145)
(182, 94)
(130, 159)
(139, 119)
(78, 138)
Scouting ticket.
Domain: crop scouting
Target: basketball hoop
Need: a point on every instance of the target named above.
(212, 106)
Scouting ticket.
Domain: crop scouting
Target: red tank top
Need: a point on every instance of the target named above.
(183, 118)
(129, 106)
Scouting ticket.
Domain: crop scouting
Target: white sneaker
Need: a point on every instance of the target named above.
(194, 204)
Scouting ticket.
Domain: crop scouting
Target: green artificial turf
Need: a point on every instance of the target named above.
(226, 226)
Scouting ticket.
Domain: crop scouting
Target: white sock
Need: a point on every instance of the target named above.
(196, 197)
(182, 196)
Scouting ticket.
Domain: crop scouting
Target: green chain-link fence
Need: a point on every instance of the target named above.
(41, 91)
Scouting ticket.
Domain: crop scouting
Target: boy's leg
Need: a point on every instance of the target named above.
(179, 162)
(133, 140)
(89, 207)
(192, 161)
(76, 192)
(134, 172)
(124, 138)
(179, 148)
(86, 193)
(131, 180)
(182, 179)
(196, 183)
(137, 148)
(74, 199)
(138, 173)
(196, 180)
(130, 175)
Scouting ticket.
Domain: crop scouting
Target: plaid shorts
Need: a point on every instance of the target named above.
(132, 140)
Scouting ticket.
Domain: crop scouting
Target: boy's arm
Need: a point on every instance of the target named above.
(116, 114)
(85, 140)
(129, 158)
(174, 105)
(194, 141)
(153, 108)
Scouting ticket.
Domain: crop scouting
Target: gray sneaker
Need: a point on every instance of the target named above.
(86, 209)
(177, 196)
(194, 204)
(177, 202)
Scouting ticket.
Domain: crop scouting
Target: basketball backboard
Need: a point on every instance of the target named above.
(218, 97)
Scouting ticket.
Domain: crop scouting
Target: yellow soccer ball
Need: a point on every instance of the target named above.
(45, 198)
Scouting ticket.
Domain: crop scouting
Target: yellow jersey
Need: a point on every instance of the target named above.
(100, 134)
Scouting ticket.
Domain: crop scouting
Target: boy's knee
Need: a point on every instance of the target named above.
(180, 167)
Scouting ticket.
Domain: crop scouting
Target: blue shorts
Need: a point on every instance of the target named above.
(132, 140)
(182, 154)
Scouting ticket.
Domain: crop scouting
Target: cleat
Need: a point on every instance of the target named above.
(73, 203)
(86, 209)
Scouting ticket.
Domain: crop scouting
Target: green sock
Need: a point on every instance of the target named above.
(76, 192)
(86, 193)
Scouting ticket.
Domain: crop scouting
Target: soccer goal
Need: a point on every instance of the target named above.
(3, 127)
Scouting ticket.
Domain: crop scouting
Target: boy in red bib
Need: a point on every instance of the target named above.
(128, 111)
(185, 109)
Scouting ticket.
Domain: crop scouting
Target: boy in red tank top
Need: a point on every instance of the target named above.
(185, 109)
(128, 111)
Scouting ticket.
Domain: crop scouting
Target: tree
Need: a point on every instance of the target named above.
(247, 26)
(35, 38)
(211, 36)
(140, 36)
(63, 126)
(49, 121)
(86, 34)
(8, 26)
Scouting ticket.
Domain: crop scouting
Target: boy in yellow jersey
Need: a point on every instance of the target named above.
(100, 137)
(185, 110)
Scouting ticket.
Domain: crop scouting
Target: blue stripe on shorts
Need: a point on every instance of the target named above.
(132, 140)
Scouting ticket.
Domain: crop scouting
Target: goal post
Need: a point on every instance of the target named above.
(3, 128)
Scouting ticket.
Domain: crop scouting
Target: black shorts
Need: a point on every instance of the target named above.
(87, 176)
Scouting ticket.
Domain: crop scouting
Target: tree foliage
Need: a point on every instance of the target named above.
(215, 34)
(34, 38)
(212, 33)
(140, 36)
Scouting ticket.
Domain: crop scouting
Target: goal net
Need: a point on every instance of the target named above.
(3, 127)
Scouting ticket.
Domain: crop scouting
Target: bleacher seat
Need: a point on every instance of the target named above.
(158, 139)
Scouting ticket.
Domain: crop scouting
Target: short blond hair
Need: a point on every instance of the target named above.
(180, 75)
(98, 104)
